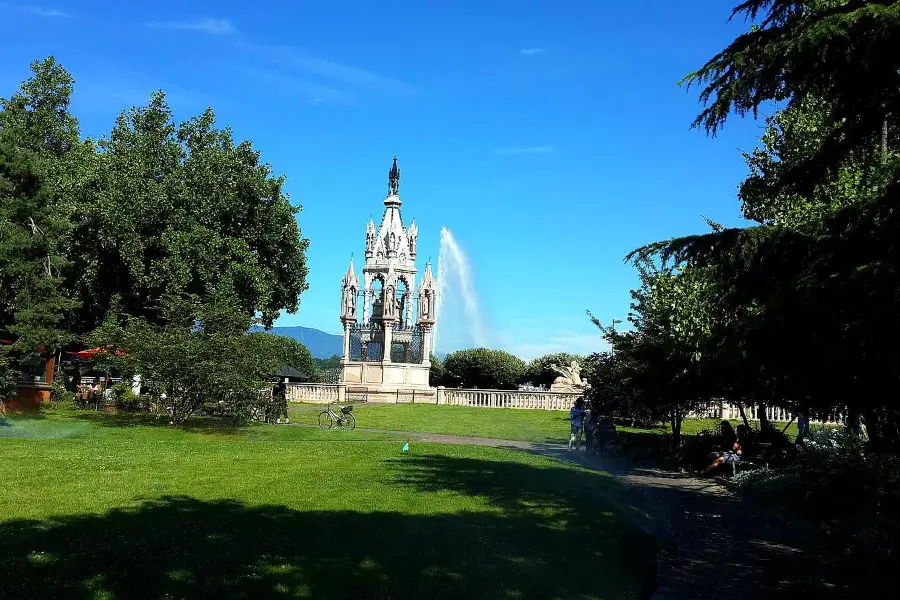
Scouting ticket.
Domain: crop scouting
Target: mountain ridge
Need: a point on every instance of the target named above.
(319, 343)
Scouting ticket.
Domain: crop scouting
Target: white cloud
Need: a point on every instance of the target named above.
(330, 70)
(314, 92)
(37, 11)
(525, 150)
(531, 51)
(208, 26)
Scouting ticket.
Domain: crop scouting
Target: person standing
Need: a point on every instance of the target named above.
(576, 417)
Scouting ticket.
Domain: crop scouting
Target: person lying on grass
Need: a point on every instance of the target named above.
(733, 456)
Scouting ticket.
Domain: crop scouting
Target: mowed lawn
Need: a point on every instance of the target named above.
(94, 506)
(497, 423)
(545, 426)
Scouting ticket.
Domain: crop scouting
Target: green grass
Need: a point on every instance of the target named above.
(94, 506)
(504, 424)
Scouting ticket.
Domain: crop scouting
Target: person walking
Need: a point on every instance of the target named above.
(576, 416)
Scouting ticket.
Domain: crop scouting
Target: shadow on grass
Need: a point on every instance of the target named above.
(198, 424)
(547, 522)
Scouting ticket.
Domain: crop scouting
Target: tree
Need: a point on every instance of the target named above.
(177, 209)
(659, 365)
(202, 354)
(817, 283)
(36, 134)
(791, 137)
(285, 351)
(436, 375)
(332, 362)
(483, 368)
(841, 53)
(539, 372)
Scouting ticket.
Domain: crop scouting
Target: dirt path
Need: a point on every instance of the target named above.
(712, 545)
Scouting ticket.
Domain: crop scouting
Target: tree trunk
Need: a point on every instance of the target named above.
(884, 142)
(743, 415)
(675, 420)
(761, 414)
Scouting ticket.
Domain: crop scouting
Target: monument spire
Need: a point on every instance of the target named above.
(394, 180)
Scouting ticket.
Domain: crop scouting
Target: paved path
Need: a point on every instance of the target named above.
(712, 545)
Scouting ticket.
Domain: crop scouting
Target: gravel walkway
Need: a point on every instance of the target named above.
(712, 545)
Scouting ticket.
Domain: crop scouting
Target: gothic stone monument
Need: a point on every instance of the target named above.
(387, 346)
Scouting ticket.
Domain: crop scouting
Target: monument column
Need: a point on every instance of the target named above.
(345, 356)
(388, 341)
(426, 346)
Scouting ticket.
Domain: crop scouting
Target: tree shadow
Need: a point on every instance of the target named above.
(547, 533)
(197, 424)
(183, 547)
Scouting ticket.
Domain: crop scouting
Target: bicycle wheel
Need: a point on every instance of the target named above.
(326, 421)
(349, 421)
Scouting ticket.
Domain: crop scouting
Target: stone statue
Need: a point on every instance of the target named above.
(351, 302)
(569, 379)
(426, 301)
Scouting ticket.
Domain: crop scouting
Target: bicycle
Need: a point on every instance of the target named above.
(328, 419)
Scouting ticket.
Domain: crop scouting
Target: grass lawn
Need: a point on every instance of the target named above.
(505, 424)
(94, 506)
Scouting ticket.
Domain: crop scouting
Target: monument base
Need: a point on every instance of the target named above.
(388, 382)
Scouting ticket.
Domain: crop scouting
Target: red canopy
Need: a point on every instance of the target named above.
(93, 352)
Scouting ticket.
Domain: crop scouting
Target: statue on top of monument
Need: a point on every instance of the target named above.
(394, 179)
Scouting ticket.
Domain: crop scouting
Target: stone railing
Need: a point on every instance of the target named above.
(731, 412)
(536, 400)
(316, 393)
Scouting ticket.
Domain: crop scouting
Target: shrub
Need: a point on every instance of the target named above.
(60, 396)
(483, 368)
(852, 495)
(124, 397)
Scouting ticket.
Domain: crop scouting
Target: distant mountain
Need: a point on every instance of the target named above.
(319, 343)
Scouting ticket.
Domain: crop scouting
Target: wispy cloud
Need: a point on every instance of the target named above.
(315, 93)
(525, 150)
(572, 342)
(38, 11)
(532, 51)
(335, 72)
(208, 26)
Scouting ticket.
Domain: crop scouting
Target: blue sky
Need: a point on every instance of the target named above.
(549, 137)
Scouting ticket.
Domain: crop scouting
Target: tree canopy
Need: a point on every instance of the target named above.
(150, 226)
(806, 302)
(483, 368)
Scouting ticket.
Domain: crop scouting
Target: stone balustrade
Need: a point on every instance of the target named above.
(534, 400)
(316, 393)
(731, 412)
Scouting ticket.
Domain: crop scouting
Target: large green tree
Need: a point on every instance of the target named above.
(172, 209)
(817, 282)
(37, 138)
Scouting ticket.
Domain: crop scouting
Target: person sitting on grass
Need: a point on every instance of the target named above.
(735, 455)
(576, 416)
